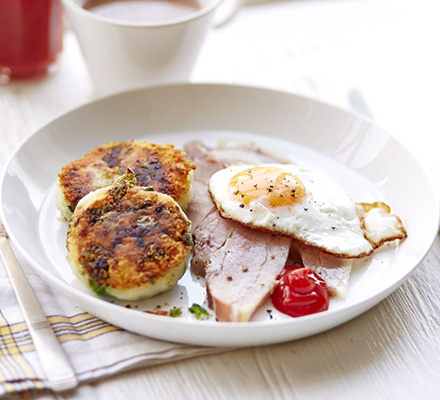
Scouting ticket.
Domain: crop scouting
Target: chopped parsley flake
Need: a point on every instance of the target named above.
(99, 290)
(175, 312)
(198, 311)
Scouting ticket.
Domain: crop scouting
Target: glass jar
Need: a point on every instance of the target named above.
(31, 37)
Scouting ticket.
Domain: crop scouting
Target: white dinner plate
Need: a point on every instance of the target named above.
(369, 163)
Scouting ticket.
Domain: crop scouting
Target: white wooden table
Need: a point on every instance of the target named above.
(385, 50)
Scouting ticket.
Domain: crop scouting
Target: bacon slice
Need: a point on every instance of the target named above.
(241, 274)
(201, 204)
(240, 265)
(334, 270)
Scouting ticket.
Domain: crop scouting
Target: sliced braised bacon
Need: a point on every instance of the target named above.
(201, 204)
(240, 265)
(334, 270)
(241, 274)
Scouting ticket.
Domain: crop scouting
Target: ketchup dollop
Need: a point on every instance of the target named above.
(299, 292)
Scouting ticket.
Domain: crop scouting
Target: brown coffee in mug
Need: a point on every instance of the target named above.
(142, 10)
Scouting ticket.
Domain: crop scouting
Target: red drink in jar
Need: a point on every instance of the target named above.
(31, 37)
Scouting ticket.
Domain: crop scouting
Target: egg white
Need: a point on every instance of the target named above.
(325, 217)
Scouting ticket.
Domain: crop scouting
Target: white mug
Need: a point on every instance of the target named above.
(120, 54)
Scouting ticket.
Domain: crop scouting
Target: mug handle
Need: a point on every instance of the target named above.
(228, 9)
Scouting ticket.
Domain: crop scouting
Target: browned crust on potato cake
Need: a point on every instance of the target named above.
(161, 166)
(129, 237)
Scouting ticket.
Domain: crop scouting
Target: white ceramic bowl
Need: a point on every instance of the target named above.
(367, 161)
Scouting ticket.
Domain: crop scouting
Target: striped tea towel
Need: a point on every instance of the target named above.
(95, 348)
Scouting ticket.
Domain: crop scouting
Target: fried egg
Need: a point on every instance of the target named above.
(292, 201)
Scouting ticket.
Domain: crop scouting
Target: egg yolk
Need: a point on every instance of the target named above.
(271, 186)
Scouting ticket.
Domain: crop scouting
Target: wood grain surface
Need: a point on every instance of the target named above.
(388, 50)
